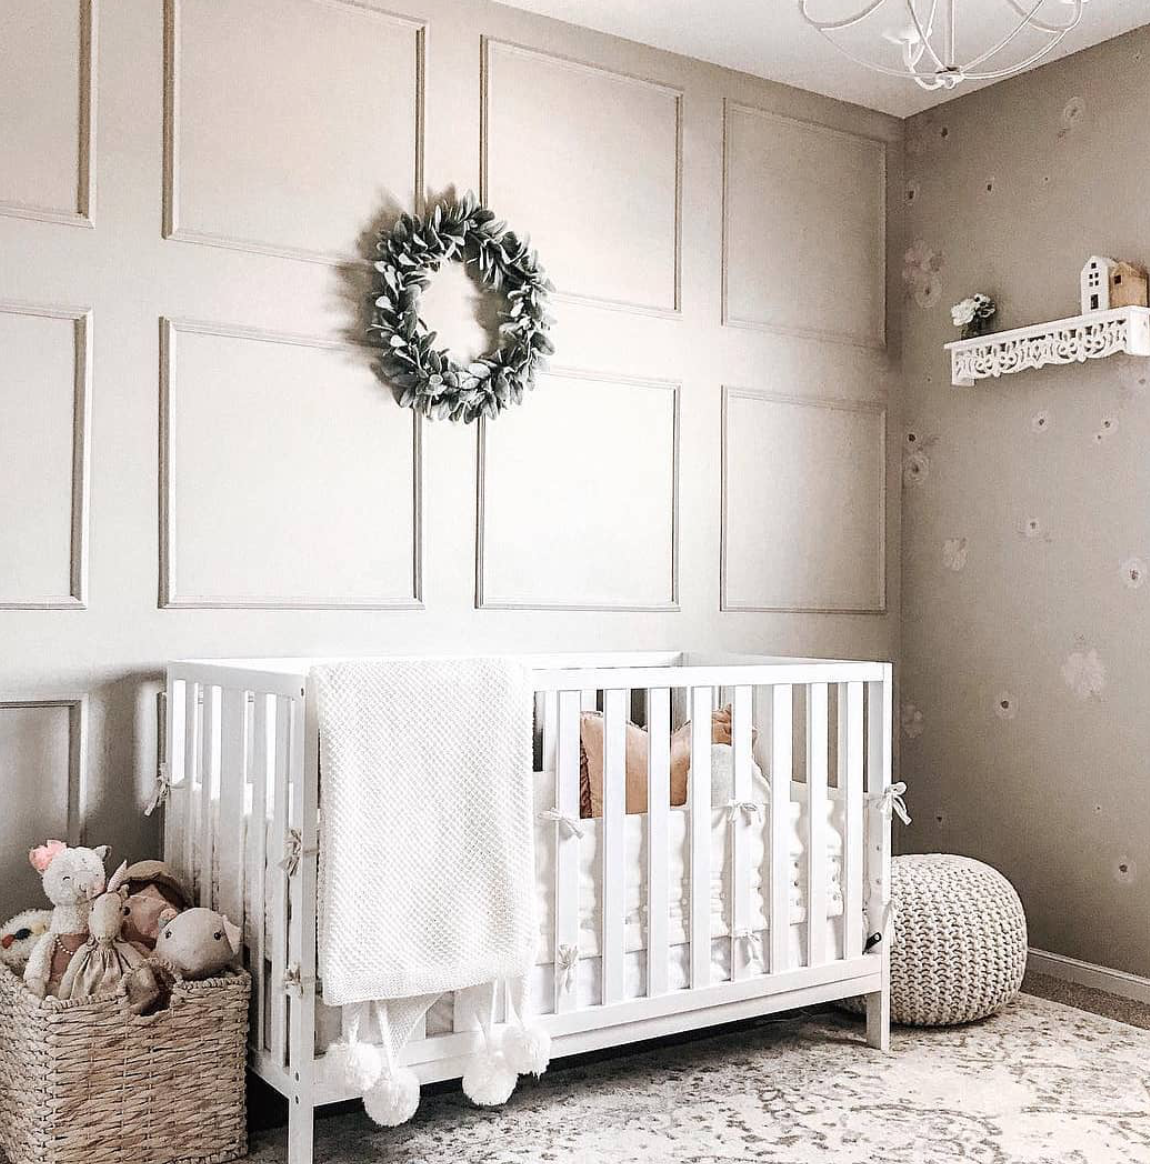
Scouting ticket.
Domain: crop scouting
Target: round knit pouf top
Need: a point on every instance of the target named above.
(959, 950)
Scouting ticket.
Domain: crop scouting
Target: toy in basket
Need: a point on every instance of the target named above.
(82, 1075)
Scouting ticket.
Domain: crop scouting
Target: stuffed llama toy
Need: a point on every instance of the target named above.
(72, 878)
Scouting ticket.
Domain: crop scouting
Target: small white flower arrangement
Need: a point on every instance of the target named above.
(974, 314)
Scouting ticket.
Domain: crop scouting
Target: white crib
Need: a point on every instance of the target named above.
(241, 824)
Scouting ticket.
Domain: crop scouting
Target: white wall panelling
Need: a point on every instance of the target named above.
(45, 392)
(48, 82)
(44, 740)
(542, 117)
(255, 511)
(255, 490)
(579, 497)
(804, 504)
(266, 103)
(804, 228)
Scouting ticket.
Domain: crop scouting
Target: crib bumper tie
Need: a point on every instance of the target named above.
(891, 802)
(568, 825)
(161, 792)
(295, 852)
(566, 959)
(750, 810)
(295, 982)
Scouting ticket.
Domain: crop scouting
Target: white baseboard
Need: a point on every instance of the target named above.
(1087, 974)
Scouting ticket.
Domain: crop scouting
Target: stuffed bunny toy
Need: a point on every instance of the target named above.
(192, 945)
(104, 959)
(18, 937)
(72, 878)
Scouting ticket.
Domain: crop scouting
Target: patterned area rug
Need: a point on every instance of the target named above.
(1040, 1083)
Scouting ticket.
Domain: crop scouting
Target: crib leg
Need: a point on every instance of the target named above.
(878, 1012)
(301, 1129)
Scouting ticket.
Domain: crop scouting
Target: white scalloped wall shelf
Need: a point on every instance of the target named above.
(1065, 341)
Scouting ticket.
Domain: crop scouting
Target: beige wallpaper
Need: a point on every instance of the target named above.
(196, 458)
(1025, 735)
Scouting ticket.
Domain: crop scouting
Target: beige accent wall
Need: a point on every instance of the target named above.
(195, 456)
(1025, 620)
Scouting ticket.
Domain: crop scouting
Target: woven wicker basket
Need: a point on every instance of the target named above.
(86, 1082)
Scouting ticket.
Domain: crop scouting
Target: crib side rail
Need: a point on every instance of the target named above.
(821, 729)
(240, 827)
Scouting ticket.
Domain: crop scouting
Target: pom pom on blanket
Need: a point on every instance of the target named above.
(353, 1065)
(394, 1098)
(489, 1079)
(527, 1049)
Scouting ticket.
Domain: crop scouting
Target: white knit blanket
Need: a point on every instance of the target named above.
(427, 867)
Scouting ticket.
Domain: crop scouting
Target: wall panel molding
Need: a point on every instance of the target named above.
(491, 45)
(830, 404)
(875, 339)
(83, 213)
(77, 708)
(172, 228)
(485, 600)
(170, 596)
(77, 596)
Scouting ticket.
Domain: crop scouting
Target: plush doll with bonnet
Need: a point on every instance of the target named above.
(72, 878)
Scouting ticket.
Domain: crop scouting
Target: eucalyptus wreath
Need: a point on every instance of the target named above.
(425, 377)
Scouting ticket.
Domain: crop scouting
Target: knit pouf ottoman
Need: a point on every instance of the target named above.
(959, 948)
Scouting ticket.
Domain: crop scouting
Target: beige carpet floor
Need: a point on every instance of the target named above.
(1040, 1083)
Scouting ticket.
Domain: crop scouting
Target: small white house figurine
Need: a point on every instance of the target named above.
(1107, 283)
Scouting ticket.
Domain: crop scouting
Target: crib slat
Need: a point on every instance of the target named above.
(278, 875)
(658, 851)
(780, 919)
(550, 701)
(233, 778)
(614, 838)
(742, 832)
(257, 847)
(172, 818)
(699, 799)
(816, 838)
(207, 787)
(851, 791)
(879, 718)
(567, 848)
(190, 775)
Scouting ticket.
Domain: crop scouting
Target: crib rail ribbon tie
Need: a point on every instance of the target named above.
(294, 982)
(746, 938)
(566, 959)
(568, 825)
(161, 792)
(748, 809)
(891, 802)
(295, 852)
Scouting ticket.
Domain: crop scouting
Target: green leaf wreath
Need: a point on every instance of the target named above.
(426, 378)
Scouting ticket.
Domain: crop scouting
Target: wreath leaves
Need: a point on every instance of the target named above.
(426, 378)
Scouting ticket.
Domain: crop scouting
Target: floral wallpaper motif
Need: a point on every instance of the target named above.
(1026, 507)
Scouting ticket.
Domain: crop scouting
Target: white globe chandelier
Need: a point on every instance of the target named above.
(927, 37)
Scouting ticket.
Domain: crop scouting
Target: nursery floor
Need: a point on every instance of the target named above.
(1040, 1083)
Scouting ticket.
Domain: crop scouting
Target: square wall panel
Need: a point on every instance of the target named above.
(41, 777)
(579, 497)
(292, 125)
(804, 504)
(290, 477)
(44, 389)
(804, 228)
(47, 102)
(561, 141)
